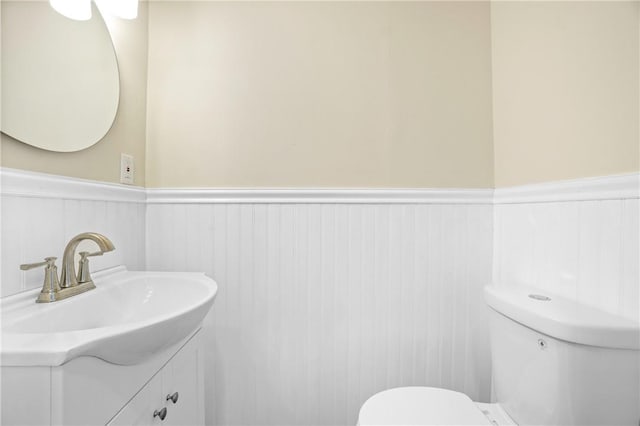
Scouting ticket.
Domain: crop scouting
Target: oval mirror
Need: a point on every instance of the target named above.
(60, 82)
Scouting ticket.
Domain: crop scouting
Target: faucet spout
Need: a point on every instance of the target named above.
(68, 275)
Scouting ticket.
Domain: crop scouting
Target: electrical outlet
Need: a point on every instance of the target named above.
(126, 169)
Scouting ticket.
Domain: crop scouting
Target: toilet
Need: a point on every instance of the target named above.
(554, 362)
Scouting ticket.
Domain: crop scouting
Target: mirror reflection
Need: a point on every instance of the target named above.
(60, 83)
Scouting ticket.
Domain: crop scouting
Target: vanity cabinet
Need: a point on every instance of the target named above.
(89, 391)
(174, 395)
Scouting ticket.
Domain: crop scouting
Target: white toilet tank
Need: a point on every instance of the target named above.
(557, 362)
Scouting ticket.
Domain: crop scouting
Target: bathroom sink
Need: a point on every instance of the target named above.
(127, 318)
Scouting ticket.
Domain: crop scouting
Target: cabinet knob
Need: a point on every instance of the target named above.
(160, 413)
(173, 398)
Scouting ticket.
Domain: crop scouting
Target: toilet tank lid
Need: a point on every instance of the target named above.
(562, 318)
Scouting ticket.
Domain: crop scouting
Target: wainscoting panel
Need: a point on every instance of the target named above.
(41, 213)
(329, 296)
(322, 305)
(585, 249)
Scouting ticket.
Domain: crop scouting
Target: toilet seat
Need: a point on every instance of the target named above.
(420, 406)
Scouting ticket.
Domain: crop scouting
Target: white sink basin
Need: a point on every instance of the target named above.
(127, 318)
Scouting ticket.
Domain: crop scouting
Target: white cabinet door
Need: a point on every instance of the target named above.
(182, 378)
(26, 397)
(140, 410)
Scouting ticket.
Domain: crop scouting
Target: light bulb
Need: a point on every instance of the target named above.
(80, 10)
(126, 9)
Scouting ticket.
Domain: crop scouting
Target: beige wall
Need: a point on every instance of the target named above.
(368, 94)
(566, 91)
(319, 94)
(102, 160)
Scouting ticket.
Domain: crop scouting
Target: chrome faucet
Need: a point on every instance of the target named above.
(70, 283)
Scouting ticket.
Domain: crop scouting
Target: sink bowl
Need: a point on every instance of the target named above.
(126, 319)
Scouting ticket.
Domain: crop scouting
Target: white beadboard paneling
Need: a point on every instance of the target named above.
(40, 235)
(588, 272)
(586, 250)
(40, 213)
(329, 296)
(33, 228)
(630, 259)
(480, 231)
(610, 258)
(323, 305)
(12, 245)
(558, 234)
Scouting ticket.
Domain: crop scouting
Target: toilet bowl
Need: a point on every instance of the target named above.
(429, 406)
(554, 361)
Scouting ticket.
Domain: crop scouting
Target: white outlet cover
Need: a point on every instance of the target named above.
(126, 169)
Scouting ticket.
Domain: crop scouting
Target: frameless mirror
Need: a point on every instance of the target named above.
(60, 82)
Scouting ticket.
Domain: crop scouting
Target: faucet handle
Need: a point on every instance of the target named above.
(51, 285)
(85, 254)
(83, 266)
(48, 261)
